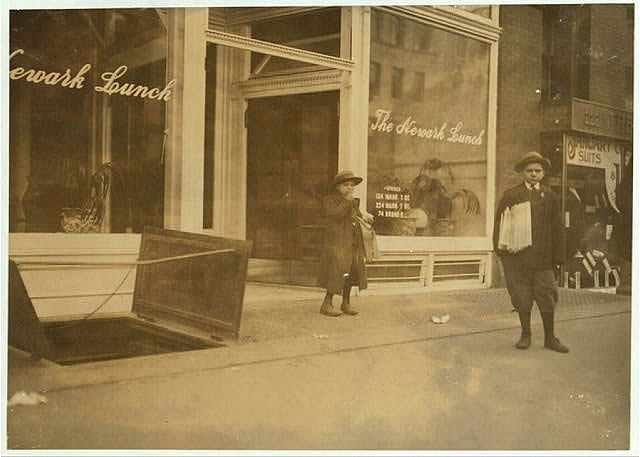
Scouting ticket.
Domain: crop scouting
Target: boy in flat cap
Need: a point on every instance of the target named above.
(528, 266)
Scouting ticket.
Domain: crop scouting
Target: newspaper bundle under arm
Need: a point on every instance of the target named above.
(515, 228)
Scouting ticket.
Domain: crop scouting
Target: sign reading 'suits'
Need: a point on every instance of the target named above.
(112, 84)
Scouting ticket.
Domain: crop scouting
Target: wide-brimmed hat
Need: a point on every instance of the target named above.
(532, 157)
(344, 176)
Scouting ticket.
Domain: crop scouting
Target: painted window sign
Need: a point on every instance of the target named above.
(384, 123)
(112, 81)
(88, 123)
(595, 153)
(392, 202)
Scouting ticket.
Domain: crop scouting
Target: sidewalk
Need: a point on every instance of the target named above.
(385, 379)
(272, 312)
(281, 322)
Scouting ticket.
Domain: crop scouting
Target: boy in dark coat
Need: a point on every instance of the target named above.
(342, 258)
(529, 271)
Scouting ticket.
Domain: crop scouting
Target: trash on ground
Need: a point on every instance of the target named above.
(440, 319)
(320, 336)
(29, 399)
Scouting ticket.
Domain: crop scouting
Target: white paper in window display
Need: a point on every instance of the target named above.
(592, 261)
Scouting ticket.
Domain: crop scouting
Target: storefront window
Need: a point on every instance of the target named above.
(88, 93)
(317, 32)
(427, 141)
(592, 219)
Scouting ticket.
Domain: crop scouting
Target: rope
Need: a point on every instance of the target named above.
(137, 262)
(131, 266)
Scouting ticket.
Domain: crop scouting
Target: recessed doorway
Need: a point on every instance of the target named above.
(292, 153)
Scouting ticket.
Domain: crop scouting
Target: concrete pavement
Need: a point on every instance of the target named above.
(385, 379)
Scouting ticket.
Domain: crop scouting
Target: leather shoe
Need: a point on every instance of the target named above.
(330, 311)
(348, 309)
(555, 345)
(524, 342)
(327, 308)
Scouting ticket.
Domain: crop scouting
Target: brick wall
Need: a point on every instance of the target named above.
(611, 55)
(519, 110)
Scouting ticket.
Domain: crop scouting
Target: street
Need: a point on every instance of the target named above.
(464, 390)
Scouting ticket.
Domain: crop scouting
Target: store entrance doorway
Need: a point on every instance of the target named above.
(292, 153)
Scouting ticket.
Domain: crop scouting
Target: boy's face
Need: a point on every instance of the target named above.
(346, 189)
(533, 173)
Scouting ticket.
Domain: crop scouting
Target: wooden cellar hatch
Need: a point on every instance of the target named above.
(188, 295)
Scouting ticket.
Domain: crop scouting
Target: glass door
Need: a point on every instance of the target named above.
(292, 154)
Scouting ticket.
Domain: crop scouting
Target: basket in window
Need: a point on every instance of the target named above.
(77, 220)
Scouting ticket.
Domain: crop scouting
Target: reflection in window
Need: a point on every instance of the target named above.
(374, 79)
(427, 145)
(376, 27)
(84, 159)
(397, 77)
(423, 38)
(397, 31)
(414, 89)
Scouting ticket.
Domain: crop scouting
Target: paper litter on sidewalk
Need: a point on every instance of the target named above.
(28, 399)
(440, 319)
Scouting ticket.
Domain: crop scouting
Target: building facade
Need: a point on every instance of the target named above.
(232, 121)
(566, 90)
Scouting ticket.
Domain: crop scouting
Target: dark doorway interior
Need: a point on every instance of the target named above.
(292, 153)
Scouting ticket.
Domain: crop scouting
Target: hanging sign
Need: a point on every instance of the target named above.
(599, 119)
(597, 153)
(112, 83)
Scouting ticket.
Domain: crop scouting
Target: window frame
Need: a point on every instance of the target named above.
(474, 27)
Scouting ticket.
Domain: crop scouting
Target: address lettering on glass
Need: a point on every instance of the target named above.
(384, 123)
(76, 81)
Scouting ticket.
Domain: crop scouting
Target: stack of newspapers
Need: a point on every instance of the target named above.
(515, 228)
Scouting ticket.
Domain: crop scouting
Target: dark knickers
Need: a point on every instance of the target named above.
(526, 285)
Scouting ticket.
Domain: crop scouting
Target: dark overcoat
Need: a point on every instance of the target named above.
(547, 231)
(338, 250)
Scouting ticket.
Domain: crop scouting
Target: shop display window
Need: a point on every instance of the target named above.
(591, 215)
(427, 130)
(88, 93)
(587, 172)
